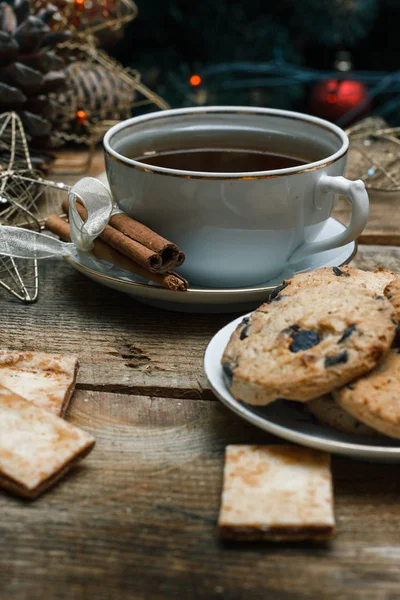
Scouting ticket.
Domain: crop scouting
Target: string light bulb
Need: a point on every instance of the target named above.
(79, 5)
(195, 80)
(81, 117)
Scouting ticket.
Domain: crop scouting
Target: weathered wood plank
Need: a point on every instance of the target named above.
(372, 256)
(383, 226)
(123, 345)
(71, 164)
(137, 519)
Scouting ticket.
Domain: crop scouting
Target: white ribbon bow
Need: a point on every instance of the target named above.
(24, 243)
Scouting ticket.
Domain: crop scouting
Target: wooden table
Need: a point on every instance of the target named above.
(138, 518)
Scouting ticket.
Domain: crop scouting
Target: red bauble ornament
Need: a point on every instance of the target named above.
(334, 98)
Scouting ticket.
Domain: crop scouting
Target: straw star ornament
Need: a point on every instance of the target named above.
(23, 201)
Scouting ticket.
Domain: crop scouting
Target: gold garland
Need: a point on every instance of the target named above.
(80, 15)
(374, 155)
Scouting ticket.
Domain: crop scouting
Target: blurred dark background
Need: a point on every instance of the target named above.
(337, 59)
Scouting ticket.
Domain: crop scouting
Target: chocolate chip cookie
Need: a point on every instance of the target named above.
(308, 339)
(392, 293)
(374, 399)
(375, 281)
(326, 410)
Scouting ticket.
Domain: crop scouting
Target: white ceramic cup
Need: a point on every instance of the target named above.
(236, 229)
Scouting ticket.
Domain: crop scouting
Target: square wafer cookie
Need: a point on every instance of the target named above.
(276, 493)
(36, 447)
(46, 379)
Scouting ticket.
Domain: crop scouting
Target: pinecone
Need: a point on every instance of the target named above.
(29, 71)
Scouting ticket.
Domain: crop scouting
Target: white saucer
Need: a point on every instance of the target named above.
(208, 300)
(291, 420)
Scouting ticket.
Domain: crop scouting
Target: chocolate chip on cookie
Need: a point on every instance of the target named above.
(336, 359)
(304, 339)
(340, 273)
(228, 373)
(273, 296)
(347, 333)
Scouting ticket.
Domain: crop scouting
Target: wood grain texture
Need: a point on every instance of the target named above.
(71, 164)
(122, 345)
(137, 519)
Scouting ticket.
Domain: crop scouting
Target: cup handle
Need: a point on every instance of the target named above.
(356, 195)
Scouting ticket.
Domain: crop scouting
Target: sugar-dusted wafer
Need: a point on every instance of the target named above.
(36, 447)
(46, 379)
(276, 493)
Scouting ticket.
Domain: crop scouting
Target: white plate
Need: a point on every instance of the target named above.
(209, 300)
(291, 420)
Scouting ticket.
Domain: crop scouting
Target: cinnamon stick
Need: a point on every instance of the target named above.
(170, 254)
(169, 280)
(145, 257)
(180, 259)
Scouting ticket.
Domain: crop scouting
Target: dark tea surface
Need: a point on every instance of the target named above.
(219, 160)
